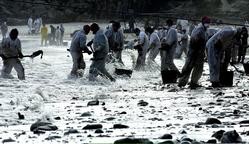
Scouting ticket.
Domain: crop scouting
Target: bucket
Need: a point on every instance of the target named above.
(169, 76)
(246, 67)
(226, 78)
(123, 72)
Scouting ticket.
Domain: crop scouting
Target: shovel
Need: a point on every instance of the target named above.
(33, 55)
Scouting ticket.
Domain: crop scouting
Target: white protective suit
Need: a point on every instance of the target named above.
(154, 46)
(143, 40)
(78, 44)
(168, 53)
(30, 25)
(195, 58)
(101, 49)
(116, 43)
(12, 48)
(216, 45)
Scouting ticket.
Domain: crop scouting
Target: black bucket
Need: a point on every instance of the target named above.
(123, 72)
(246, 67)
(226, 78)
(169, 76)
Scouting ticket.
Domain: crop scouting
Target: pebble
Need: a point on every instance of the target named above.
(92, 126)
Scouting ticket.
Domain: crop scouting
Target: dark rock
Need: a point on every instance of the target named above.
(110, 118)
(86, 114)
(52, 137)
(120, 126)
(93, 103)
(212, 121)
(133, 141)
(8, 140)
(20, 116)
(185, 142)
(75, 98)
(92, 126)
(167, 142)
(142, 103)
(218, 134)
(98, 131)
(38, 132)
(124, 112)
(71, 131)
(166, 136)
(244, 122)
(182, 132)
(236, 112)
(231, 137)
(184, 138)
(212, 141)
(46, 126)
(103, 104)
(57, 118)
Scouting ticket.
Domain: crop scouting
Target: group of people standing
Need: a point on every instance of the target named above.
(34, 25)
(55, 37)
(216, 47)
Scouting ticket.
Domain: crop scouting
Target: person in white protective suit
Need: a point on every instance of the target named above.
(100, 51)
(4, 30)
(58, 36)
(11, 52)
(182, 44)
(78, 45)
(142, 48)
(115, 38)
(168, 48)
(217, 45)
(30, 25)
(196, 55)
(154, 45)
(37, 25)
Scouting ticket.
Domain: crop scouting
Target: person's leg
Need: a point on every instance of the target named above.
(163, 54)
(197, 70)
(76, 63)
(7, 68)
(170, 59)
(93, 71)
(214, 64)
(186, 71)
(102, 70)
(19, 69)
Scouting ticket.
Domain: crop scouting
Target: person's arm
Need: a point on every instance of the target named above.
(19, 49)
(141, 39)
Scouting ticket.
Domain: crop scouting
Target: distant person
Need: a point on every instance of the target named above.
(196, 55)
(244, 46)
(168, 48)
(52, 35)
(78, 45)
(115, 38)
(44, 35)
(4, 30)
(62, 29)
(11, 47)
(58, 36)
(142, 48)
(100, 52)
(30, 25)
(37, 25)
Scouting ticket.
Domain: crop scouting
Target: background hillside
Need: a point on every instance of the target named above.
(17, 11)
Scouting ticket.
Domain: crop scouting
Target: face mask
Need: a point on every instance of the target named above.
(206, 25)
